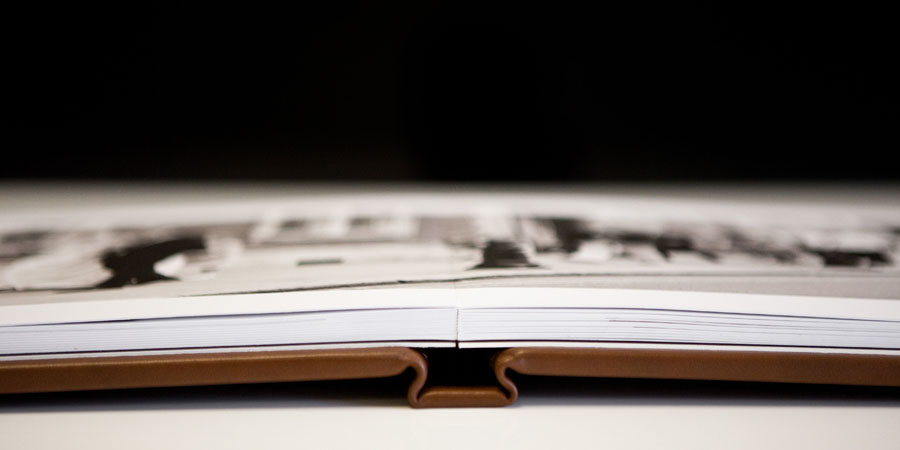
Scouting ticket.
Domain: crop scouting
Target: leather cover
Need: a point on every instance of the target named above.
(77, 374)
(53, 375)
(732, 365)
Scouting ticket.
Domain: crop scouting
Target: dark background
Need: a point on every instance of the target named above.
(452, 91)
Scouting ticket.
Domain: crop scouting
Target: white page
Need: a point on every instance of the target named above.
(784, 305)
(226, 305)
(474, 298)
(378, 325)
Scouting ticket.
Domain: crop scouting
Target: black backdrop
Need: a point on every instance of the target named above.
(430, 90)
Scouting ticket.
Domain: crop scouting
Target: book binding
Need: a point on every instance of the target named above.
(100, 373)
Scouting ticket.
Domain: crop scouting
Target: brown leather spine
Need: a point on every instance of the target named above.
(780, 367)
(461, 397)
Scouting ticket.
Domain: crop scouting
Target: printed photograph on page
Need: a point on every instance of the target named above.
(427, 243)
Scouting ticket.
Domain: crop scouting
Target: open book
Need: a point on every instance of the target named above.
(442, 269)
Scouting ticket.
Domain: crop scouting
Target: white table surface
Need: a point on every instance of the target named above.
(553, 414)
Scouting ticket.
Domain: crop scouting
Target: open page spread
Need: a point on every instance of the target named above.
(447, 269)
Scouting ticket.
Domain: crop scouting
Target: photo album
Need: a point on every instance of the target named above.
(443, 269)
